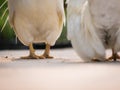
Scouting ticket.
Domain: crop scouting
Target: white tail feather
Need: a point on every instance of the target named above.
(83, 35)
(16, 40)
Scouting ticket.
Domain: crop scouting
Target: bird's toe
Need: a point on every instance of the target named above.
(113, 57)
(30, 57)
(45, 57)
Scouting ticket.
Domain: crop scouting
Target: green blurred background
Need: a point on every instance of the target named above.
(8, 39)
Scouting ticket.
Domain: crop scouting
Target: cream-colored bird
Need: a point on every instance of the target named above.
(93, 27)
(36, 21)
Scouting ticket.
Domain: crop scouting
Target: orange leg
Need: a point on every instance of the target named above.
(47, 52)
(32, 53)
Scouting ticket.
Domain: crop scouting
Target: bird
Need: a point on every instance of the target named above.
(37, 21)
(93, 26)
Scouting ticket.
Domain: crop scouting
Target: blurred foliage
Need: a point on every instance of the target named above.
(7, 36)
(7, 32)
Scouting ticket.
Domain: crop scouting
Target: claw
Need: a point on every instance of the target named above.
(114, 56)
(30, 57)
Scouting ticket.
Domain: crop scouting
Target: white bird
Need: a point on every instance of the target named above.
(36, 21)
(94, 26)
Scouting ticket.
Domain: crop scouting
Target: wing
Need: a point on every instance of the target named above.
(60, 12)
(11, 12)
(81, 31)
(73, 14)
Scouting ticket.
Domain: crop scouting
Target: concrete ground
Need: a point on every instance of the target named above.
(65, 72)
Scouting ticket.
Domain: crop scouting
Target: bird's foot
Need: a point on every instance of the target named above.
(96, 60)
(45, 57)
(99, 60)
(31, 56)
(114, 57)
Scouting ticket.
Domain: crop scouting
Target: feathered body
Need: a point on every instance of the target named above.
(36, 20)
(93, 27)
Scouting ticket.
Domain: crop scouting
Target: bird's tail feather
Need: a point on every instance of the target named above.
(86, 41)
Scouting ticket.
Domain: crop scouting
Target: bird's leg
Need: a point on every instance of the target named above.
(32, 53)
(47, 52)
(114, 56)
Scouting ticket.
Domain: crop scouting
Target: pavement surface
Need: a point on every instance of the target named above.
(65, 72)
